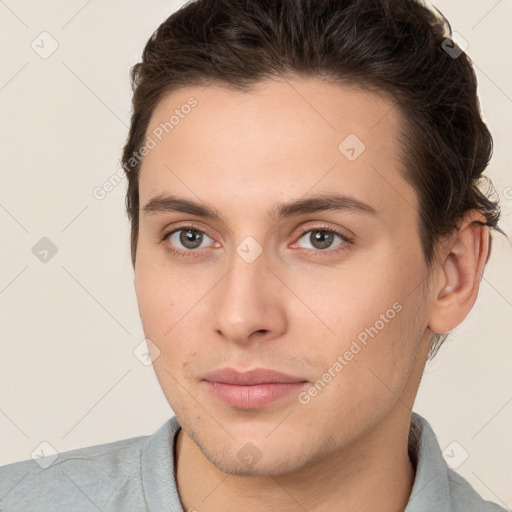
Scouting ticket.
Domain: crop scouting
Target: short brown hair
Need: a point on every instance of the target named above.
(395, 47)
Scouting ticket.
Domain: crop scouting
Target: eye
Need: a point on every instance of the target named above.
(322, 240)
(188, 241)
(188, 238)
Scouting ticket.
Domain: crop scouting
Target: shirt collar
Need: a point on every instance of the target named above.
(431, 489)
(158, 469)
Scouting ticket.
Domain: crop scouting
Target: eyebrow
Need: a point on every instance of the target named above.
(309, 205)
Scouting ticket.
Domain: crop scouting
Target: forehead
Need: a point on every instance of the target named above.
(278, 142)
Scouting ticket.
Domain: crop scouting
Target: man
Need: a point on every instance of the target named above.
(306, 225)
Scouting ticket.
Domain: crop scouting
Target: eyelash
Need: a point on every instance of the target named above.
(194, 253)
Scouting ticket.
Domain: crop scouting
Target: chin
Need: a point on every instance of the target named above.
(276, 467)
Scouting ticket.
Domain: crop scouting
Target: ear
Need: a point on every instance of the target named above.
(463, 259)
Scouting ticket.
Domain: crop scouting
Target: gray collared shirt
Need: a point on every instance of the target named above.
(137, 474)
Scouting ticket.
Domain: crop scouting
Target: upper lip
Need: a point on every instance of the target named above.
(250, 377)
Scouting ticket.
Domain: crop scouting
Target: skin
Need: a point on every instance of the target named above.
(290, 309)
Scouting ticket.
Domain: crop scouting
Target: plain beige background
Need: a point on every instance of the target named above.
(69, 325)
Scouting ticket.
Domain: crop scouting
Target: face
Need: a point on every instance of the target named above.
(329, 292)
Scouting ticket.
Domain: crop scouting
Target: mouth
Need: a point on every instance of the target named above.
(252, 389)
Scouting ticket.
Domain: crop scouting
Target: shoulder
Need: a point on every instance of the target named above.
(465, 498)
(436, 485)
(84, 478)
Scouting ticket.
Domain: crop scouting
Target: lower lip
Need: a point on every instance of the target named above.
(252, 397)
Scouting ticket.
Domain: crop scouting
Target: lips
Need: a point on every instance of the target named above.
(252, 389)
(251, 377)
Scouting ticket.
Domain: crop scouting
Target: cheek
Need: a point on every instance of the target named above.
(150, 299)
(164, 318)
(366, 368)
(370, 334)
(155, 286)
(354, 300)
(171, 312)
(376, 319)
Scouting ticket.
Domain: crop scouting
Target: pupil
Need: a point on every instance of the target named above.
(187, 238)
(323, 237)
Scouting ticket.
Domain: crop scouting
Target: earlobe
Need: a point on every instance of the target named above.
(460, 272)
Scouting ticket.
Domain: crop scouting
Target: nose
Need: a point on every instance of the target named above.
(246, 305)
